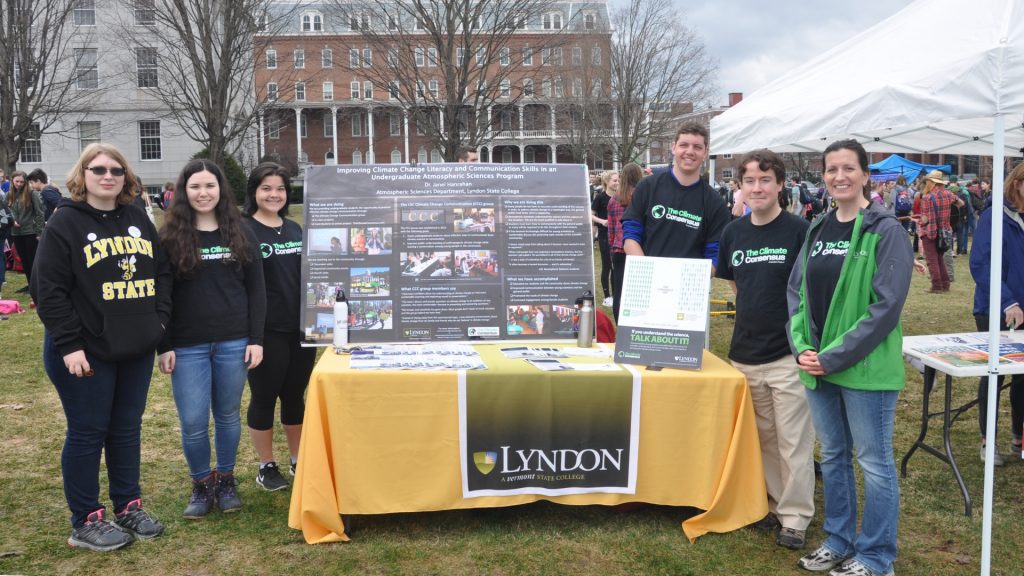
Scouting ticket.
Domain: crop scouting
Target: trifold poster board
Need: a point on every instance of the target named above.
(446, 252)
(663, 317)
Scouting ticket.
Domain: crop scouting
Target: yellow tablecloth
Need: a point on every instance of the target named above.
(377, 442)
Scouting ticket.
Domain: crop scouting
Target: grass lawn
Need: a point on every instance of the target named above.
(935, 536)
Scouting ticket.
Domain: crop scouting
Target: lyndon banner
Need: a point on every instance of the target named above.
(550, 434)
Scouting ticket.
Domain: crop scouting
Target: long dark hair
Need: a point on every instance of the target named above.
(630, 176)
(179, 235)
(862, 159)
(256, 177)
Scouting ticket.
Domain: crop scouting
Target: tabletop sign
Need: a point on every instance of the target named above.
(446, 252)
(663, 318)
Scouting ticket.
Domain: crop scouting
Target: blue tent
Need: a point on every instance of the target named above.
(894, 166)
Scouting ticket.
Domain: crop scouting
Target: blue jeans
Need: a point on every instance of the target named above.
(104, 415)
(210, 376)
(860, 421)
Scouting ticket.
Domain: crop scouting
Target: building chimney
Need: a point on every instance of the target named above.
(735, 98)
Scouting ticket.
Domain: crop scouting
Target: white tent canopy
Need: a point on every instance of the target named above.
(929, 79)
(940, 76)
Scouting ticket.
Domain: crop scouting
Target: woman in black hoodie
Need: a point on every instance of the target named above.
(103, 291)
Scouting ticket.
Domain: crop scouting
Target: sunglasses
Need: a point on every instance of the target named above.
(102, 171)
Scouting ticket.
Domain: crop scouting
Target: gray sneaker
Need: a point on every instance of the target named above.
(856, 568)
(136, 521)
(791, 538)
(99, 534)
(997, 460)
(269, 477)
(201, 500)
(821, 560)
(227, 493)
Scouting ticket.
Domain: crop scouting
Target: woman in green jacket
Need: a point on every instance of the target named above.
(27, 207)
(845, 298)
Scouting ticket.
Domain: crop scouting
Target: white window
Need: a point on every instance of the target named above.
(528, 87)
(357, 157)
(392, 57)
(357, 126)
(145, 14)
(393, 90)
(271, 91)
(274, 127)
(421, 156)
(504, 56)
(354, 89)
(421, 56)
(395, 123)
(421, 89)
(577, 56)
(558, 87)
(85, 13)
(392, 23)
(367, 90)
(367, 57)
(589, 21)
(460, 55)
(271, 59)
(145, 67)
(556, 56)
(149, 140)
(326, 58)
(300, 91)
(262, 22)
(312, 22)
(396, 157)
(432, 86)
(546, 87)
(595, 88)
(551, 21)
(431, 56)
(421, 127)
(530, 155)
(506, 154)
(435, 156)
(359, 22)
(481, 56)
(505, 120)
(595, 55)
(506, 88)
(727, 173)
(31, 147)
(577, 87)
(527, 56)
(353, 57)
(545, 56)
(328, 91)
(328, 126)
(299, 57)
(85, 68)
(422, 24)
(302, 125)
(88, 133)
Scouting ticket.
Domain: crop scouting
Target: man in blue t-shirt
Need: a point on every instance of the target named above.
(759, 251)
(676, 213)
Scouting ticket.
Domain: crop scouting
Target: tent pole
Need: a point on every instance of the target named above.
(995, 311)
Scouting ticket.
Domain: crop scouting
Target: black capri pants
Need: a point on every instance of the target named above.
(284, 373)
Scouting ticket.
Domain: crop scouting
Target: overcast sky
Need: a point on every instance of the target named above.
(757, 40)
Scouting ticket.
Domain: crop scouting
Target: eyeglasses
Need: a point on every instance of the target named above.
(102, 171)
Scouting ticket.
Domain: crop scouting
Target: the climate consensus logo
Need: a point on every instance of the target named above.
(658, 212)
(737, 258)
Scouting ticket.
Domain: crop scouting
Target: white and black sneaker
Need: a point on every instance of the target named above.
(270, 478)
(821, 560)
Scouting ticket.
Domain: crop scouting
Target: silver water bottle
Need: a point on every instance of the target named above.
(585, 336)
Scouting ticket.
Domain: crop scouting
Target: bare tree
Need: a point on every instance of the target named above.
(40, 70)
(584, 114)
(656, 62)
(198, 59)
(448, 62)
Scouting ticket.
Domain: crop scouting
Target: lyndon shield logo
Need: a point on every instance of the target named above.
(485, 461)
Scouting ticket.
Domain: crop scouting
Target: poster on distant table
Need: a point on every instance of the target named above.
(663, 317)
(446, 252)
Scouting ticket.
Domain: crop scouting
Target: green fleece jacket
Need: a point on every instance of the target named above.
(861, 343)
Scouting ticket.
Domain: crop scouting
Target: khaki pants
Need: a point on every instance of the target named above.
(787, 438)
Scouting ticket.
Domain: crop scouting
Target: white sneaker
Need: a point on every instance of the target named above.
(608, 301)
(997, 460)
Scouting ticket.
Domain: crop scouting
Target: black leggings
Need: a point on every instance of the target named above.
(284, 373)
(1016, 390)
(26, 247)
(606, 261)
(618, 273)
